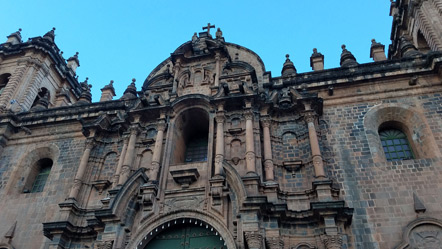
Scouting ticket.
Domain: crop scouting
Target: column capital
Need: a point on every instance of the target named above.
(161, 126)
(266, 121)
(248, 115)
(134, 130)
(310, 116)
(90, 143)
(217, 56)
(220, 118)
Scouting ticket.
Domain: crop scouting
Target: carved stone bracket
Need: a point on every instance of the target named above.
(275, 243)
(185, 177)
(292, 166)
(332, 241)
(217, 189)
(101, 185)
(254, 240)
(147, 196)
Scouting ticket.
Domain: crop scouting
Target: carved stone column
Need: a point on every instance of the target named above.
(219, 152)
(310, 117)
(332, 241)
(78, 180)
(275, 243)
(156, 157)
(12, 86)
(254, 240)
(120, 163)
(176, 68)
(250, 143)
(268, 158)
(217, 68)
(129, 157)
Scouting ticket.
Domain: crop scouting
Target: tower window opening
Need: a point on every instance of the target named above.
(4, 79)
(40, 95)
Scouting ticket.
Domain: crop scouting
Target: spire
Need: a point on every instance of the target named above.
(288, 68)
(131, 91)
(317, 60)
(10, 234)
(347, 58)
(15, 38)
(73, 62)
(50, 35)
(407, 48)
(377, 51)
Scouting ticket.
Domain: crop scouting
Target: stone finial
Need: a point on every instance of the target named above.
(107, 92)
(194, 37)
(86, 95)
(50, 35)
(347, 58)
(407, 48)
(288, 68)
(377, 51)
(131, 91)
(317, 60)
(73, 62)
(14, 38)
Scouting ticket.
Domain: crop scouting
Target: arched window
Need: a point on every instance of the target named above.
(39, 176)
(395, 144)
(4, 78)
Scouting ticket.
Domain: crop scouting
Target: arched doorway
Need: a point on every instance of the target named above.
(187, 237)
(183, 233)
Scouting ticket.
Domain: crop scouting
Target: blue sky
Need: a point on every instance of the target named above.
(120, 41)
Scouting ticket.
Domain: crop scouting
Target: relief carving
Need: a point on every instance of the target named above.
(184, 203)
(422, 233)
(105, 245)
(426, 237)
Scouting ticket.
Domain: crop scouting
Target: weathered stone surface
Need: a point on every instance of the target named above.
(213, 141)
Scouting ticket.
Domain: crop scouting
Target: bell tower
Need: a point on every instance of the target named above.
(34, 74)
(416, 22)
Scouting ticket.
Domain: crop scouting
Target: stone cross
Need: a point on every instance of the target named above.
(208, 28)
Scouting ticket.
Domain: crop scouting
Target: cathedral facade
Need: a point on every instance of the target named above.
(214, 152)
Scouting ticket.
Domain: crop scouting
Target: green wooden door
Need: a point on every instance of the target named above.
(189, 237)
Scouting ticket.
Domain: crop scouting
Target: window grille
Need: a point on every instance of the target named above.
(197, 150)
(396, 145)
(41, 179)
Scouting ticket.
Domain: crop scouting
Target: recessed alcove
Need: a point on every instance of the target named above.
(190, 137)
